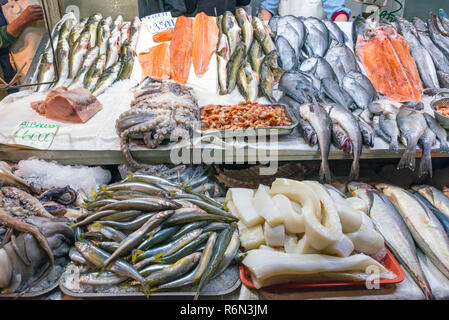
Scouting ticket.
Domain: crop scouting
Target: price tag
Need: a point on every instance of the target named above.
(160, 21)
(33, 134)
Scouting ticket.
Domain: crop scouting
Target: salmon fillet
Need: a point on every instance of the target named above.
(166, 35)
(205, 39)
(181, 50)
(156, 62)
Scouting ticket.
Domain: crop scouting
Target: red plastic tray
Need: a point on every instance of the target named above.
(388, 262)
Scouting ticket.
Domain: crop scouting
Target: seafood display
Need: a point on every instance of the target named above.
(153, 233)
(92, 54)
(160, 110)
(244, 116)
(75, 105)
(156, 62)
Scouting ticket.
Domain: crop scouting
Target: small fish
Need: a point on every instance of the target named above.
(223, 57)
(256, 56)
(62, 55)
(234, 64)
(113, 51)
(247, 31)
(77, 54)
(93, 74)
(248, 82)
(91, 57)
(108, 78)
(232, 30)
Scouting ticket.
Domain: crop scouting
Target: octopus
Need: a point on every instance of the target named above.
(160, 111)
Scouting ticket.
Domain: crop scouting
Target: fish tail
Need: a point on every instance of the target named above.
(425, 166)
(325, 172)
(444, 147)
(355, 168)
(408, 159)
(394, 145)
(146, 289)
(426, 290)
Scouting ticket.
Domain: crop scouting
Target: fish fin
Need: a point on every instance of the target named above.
(355, 168)
(94, 195)
(103, 189)
(325, 174)
(408, 159)
(155, 289)
(444, 147)
(130, 175)
(146, 289)
(135, 255)
(394, 146)
(157, 258)
(425, 167)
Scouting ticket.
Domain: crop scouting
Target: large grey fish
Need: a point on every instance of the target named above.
(336, 93)
(232, 30)
(389, 223)
(412, 125)
(270, 75)
(440, 40)
(248, 82)
(426, 142)
(113, 52)
(318, 67)
(255, 56)
(335, 33)
(234, 64)
(287, 31)
(426, 229)
(287, 55)
(443, 78)
(388, 124)
(358, 28)
(91, 57)
(62, 56)
(299, 27)
(342, 60)
(247, 31)
(346, 120)
(296, 85)
(382, 107)
(439, 131)
(359, 87)
(108, 78)
(321, 123)
(379, 132)
(273, 23)
(367, 131)
(94, 73)
(223, 57)
(435, 196)
(422, 57)
(317, 39)
(440, 60)
(77, 54)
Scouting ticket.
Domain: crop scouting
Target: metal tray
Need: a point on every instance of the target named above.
(253, 132)
(224, 284)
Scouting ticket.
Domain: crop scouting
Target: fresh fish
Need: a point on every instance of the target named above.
(75, 34)
(287, 55)
(77, 54)
(297, 86)
(336, 93)
(256, 56)
(125, 33)
(246, 27)
(101, 279)
(274, 22)
(117, 24)
(426, 143)
(286, 31)
(232, 30)
(62, 55)
(427, 231)
(229, 255)
(187, 215)
(103, 35)
(318, 67)
(440, 60)
(248, 82)
(189, 227)
(268, 45)
(108, 78)
(440, 216)
(108, 246)
(145, 204)
(341, 139)
(134, 33)
(92, 30)
(335, 32)
(152, 268)
(112, 234)
(359, 87)
(440, 40)
(299, 27)
(443, 78)
(262, 35)
(234, 64)
(436, 197)
(321, 123)
(127, 60)
(389, 223)
(137, 186)
(358, 28)
(346, 120)
(66, 27)
(96, 17)
(46, 71)
(342, 60)
(445, 22)
(439, 131)
(189, 248)
(412, 126)
(159, 237)
(383, 107)
(130, 225)
(422, 57)
(388, 124)
(367, 131)
(91, 57)
(317, 39)
(94, 73)
(113, 51)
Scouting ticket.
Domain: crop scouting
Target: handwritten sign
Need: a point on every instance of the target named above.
(160, 21)
(33, 134)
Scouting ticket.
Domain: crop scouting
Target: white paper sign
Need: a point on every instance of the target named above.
(160, 21)
(33, 134)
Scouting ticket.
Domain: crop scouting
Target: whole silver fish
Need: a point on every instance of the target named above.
(346, 120)
(335, 33)
(321, 123)
(134, 32)
(77, 54)
(359, 87)
(234, 64)
(75, 34)
(426, 142)
(108, 78)
(317, 39)
(412, 125)
(223, 56)
(92, 30)
(389, 126)
(62, 56)
(367, 131)
(103, 35)
(426, 229)
(299, 30)
(318, 67)
(439, 131)
(94, 73)
(232, 30)
(440, 40)
(342, 60)
(113, 52)
(247, 31)
(287, 31)
(287, 55)
(125, 33)
(91, 57)
(46, 70)
(332, 89)
(65, 29)
(389, 223)
(443, 78)
(248, 82)
(436, 197)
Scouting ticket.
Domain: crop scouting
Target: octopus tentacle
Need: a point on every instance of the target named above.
(57, 195)
(7, 237)
(18, 252)
(28, 200)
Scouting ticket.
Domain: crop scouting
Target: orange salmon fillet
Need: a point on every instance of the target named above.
(181, 50)
(205, 39)
(156, 62)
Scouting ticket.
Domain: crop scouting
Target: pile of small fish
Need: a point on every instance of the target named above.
(405, 217)
(93, 53)
(150, 231)
(246, 56)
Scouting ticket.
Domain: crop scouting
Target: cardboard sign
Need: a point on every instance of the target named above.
(33, 134)
(159, 22)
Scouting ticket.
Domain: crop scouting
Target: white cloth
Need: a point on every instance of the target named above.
(305, 8)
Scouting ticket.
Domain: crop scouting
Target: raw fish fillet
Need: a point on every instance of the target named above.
(389, 64)
(205, 39)
(156, 62)
(181, 50)
(163, 36)
(77, 105)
